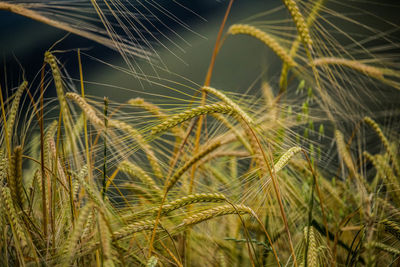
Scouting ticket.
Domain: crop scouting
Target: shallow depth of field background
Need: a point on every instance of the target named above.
(239, 65)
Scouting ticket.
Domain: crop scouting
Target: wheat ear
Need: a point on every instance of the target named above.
(312, 252)
(189, 114)
(52, 61)
(105, 240)
(344, 153)
(89, 111)
(299, 21)
(133, 228)
(152, 261)
(19, 234)
(135, 171)
(3, 167)
(14, 108)
(50, 132)
(385, 172)
(352, 64)
(207, 150)
(296, 44)
(16, 184)
(150, 107)
(79, 225)
(230, 103)
(265, 38)
(391, 227)
(385, 248)
(285, 158)
(384, 141)
(215, 212)
(190, 199)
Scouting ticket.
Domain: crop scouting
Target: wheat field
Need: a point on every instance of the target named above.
(299, 168)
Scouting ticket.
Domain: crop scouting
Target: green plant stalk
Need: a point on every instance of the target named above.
(105, 148)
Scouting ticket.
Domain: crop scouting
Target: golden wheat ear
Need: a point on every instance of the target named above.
(264, 37)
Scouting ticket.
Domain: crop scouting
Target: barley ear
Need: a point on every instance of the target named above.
(86, 108)
(312, 250)
(386, 248)
(285, 158)
(105, 240)
(391, 227)
(215, 212)
(190, 199)
(133, 228)
(18, 231)
(265, 38)
(15, 181)
(71, 244)
(152, 262)
(189, 114)
(384, 141)
(344, 153)
(230, 103)
(299, 21)
(14, 109)
(352, 64)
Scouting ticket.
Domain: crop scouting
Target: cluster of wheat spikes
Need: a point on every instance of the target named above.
(303, 177)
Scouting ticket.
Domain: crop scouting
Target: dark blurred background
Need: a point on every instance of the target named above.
(23, 43)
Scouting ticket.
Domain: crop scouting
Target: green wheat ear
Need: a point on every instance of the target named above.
(189, 114)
